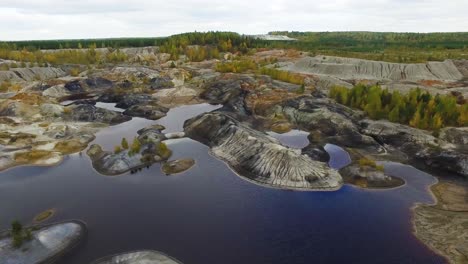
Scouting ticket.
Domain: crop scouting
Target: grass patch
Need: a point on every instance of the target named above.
(31, 156)
(365, 163)
(69, 146)
(44, 215)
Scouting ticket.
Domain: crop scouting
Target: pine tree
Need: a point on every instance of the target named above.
(136, 146)
(436, 122)
(394, 115)
(416, 120)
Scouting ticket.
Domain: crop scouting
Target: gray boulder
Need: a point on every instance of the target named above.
(153, 112)
(91, 113)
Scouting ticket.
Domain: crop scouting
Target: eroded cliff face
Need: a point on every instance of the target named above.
(349, 69)
(258, 157)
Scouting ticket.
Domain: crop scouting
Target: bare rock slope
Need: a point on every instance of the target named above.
(348, 68)
(259, 157)
(31, 74)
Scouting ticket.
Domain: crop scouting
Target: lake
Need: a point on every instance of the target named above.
(208, 214)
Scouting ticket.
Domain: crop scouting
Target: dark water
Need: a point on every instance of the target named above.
(210, 215)
(339, 158)
(294, 138)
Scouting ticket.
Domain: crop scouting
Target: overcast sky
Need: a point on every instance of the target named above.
(60, 19)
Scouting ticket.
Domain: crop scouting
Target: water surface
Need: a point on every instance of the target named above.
(210, 215)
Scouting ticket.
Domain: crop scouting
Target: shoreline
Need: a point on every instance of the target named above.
(436, 225)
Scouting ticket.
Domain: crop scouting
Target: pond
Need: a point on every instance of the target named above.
(208, 214)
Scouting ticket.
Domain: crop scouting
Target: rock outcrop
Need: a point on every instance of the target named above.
(367, 177)
(258, 157)
(48, 244)
(31, 74)
(153, 112)
(91, 113)
(420, 145)
(114, 163)
(138, 257)
(127, 100)
(328, 122)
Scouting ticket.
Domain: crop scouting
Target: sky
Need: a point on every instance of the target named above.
(65, 19)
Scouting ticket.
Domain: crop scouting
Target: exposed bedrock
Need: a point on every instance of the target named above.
(125, 100)
(91, 113)
(349, 68)
(48, 243)
(369, 177)
(258, 157)
(230, 93)
(153, 112)
(31, 74)
(420, 145)
(77, 87)
(328, 122)
(118, 162)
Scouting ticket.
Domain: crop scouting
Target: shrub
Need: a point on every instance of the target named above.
(75, 72)
(237, 66)
(163, 151)
(283, 76)
(17, 240)
(16, 227)
(124, 143)
(117, 149)
(367, 162)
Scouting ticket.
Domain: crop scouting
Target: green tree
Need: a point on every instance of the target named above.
(394, 115)
(436, 122)
(416, 120)
(136, 146)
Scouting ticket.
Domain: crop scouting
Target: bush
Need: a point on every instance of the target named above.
(75, 72)
(283, 76)
(17, 240)
(363, 162)
(117, 149)
(237, 66)
(16, 227)
(163, 151)
(124, 143)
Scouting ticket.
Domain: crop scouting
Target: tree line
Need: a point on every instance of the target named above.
(391, 47)
(417, 108)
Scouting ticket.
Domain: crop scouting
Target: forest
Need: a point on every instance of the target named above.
(392, 47)
(382, 46)
(417, 108)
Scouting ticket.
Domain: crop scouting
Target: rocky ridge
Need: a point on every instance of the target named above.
(259, 157)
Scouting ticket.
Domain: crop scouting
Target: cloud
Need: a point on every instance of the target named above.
(59, 19)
